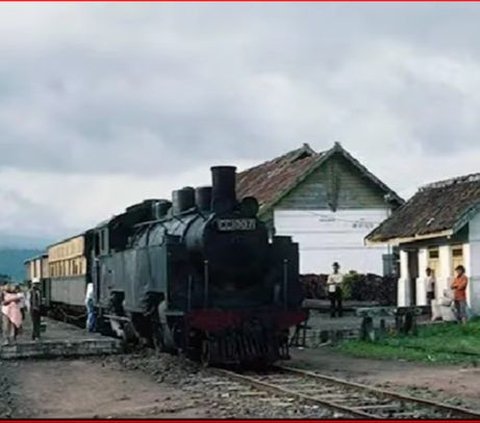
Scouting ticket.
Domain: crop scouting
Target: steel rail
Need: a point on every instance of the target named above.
(278, 390)
(353, 411)
(464, 412)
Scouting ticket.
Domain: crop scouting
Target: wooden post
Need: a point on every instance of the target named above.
(398, 324)
(408, 322)
(383, 329)
(414, 325)
(367, 332)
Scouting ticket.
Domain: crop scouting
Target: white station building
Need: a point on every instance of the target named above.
(328, 202)
(439, 227)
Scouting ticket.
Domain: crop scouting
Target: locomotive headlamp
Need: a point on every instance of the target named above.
(249, 206)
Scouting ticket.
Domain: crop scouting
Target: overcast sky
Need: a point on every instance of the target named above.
(102, 105)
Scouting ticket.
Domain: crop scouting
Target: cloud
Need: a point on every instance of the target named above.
(101, 105)
(50, 206)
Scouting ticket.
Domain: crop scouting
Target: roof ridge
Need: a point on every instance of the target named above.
(473, 177)
(305, 148)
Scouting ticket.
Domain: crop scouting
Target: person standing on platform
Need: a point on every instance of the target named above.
(35, 309)
(22, 304)
(430, 285)
(459, 287)
(334, 286)
(90, 304)
(11, 314)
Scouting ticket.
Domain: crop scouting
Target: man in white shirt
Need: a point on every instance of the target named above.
(334, 287)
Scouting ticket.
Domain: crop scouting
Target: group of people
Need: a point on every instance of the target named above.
(14, 305)
(456, 296)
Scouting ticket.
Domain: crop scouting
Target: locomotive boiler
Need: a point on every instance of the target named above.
(198, 274)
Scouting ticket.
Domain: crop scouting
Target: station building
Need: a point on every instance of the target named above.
(328, 202)
(439, 227)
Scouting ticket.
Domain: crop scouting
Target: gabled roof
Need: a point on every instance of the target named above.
(437, 209)
(269, 182)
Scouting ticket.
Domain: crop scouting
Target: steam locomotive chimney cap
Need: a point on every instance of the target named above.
(234, 168)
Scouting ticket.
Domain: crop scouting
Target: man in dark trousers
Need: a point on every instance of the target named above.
(35, 309)
(334, 286)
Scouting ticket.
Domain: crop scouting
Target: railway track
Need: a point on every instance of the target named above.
(347, 398)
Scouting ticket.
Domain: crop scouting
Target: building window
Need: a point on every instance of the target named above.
(389, 264)
(433, 260)
(457, 257)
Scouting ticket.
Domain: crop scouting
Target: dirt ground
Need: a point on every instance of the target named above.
(133, 386)
(147, 386)
(445, 383)
(92, 389)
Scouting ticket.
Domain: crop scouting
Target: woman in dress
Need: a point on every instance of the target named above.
(11, 314)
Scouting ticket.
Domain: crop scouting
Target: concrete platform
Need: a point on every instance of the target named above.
(59, 340)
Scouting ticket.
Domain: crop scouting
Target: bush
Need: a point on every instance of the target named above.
(356, 287)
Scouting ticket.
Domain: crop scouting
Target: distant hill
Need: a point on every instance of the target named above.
(11, 261)
(19, 242)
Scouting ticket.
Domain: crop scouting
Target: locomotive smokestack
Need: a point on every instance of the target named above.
(224, 196)
(183, 199)
(160, 208)
(203, 198)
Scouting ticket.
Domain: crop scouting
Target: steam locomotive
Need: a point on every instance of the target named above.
(197, 274)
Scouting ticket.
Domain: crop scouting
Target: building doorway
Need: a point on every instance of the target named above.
(413, 275)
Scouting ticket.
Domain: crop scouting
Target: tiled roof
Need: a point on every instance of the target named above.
(434, 209)
(271, 181)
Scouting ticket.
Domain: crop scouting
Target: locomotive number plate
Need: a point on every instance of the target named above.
(229, 225)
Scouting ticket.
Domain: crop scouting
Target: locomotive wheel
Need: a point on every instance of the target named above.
(205, 354)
